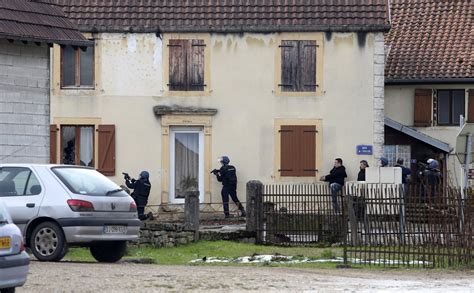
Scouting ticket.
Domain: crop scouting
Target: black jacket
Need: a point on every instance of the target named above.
(227, 175)
(405, 173)
(361, 175)
(337, 175)
(141, 190)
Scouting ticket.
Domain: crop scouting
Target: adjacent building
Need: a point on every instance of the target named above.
(281, 87)
(429, 80)
(27, 31)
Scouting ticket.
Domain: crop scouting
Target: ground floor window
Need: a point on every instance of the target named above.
(77, 145)
(395, 152)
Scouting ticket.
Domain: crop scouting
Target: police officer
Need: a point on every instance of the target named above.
(141, 191)
(227, 175)
(433, 177)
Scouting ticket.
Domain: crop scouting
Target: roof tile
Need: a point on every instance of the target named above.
(430, 40)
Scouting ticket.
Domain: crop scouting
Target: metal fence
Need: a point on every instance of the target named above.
(379, 224)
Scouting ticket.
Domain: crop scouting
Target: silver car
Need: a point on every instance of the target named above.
(13, 258)
(57, 206)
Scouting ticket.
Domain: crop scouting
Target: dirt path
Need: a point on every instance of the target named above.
(88, 277)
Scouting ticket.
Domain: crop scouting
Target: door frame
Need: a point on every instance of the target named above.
(184, 129)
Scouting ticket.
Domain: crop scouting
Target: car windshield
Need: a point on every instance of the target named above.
(87, 182)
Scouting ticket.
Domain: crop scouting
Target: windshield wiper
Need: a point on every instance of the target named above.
(113, 191)
(3, 222)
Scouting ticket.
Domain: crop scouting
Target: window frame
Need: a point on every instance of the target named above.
(77, 143)
(451, 106)
(206, 37)
(319, 155)
(77, 72)
(319, 39)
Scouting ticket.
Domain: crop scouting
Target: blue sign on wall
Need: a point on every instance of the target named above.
(364, 150)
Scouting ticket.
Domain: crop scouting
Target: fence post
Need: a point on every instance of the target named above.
(191, 212)
(255, 209)
(352, 217)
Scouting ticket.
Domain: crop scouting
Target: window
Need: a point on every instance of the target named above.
(18, 181)
(395, 152)
(186, 65)
(451, 104)
(298, 150)
(298, 66)
(77, 67)
(77, 145)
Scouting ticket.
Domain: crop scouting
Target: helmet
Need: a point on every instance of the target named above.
(434, 164)
(224, 160)
(384, 161)
(144, 174)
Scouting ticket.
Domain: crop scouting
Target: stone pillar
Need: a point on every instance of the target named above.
(379, 83)
(255, 209)
(191, 212)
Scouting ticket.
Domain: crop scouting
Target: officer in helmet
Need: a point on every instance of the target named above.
(141, 191)
(227, 175)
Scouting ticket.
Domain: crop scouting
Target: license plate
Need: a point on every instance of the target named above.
(109, 229)
(5, 243)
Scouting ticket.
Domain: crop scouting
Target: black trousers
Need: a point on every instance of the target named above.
(225, 192)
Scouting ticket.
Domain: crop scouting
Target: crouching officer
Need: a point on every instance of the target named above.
(227, 175)
(141, 191)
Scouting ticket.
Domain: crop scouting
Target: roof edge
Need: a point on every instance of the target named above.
(41, 40)
(237, 29)
(417, 135)
(452, 80)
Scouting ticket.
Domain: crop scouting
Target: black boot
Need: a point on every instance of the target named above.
(243, 214)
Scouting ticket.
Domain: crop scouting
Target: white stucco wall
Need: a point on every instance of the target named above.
(129, 77)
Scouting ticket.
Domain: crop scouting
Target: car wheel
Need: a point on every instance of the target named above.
(47, 242)
(108, 251)
(8, 290)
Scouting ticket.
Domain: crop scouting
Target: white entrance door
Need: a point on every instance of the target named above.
(186, 162)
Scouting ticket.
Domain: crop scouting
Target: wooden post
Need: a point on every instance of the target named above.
(352, 220)
(255, 209)
(191, 212)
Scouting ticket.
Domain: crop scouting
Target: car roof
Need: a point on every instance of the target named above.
(41, 165)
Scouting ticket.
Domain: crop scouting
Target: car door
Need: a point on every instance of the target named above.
(21, 192)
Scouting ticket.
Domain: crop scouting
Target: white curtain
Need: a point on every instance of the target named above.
(87, 146)
(186, 163)
(68, 137)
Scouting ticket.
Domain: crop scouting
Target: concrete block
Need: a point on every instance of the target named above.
(379, 59)
(379, 103)
(6, 59)
(379, 80)
(379, 92)
(379, 69)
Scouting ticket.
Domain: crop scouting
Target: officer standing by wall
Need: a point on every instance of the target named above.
(227, 175)
(141, 191)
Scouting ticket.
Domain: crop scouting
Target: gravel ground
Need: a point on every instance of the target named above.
(127, 277)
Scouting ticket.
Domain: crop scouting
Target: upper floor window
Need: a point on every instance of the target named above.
(451, 105)
(298, 66)
(186, 65)
(77, 67)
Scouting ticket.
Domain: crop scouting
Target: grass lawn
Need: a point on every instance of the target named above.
(184, 254)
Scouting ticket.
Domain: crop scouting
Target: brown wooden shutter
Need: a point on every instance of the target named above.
(423, 104)
(289, 66)
(307, 150)
(288, 150)
(307, 68)
(53, 140)
(106, 150)
(470, 107)
(195, 64)
(177, 65)
(298, 150)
